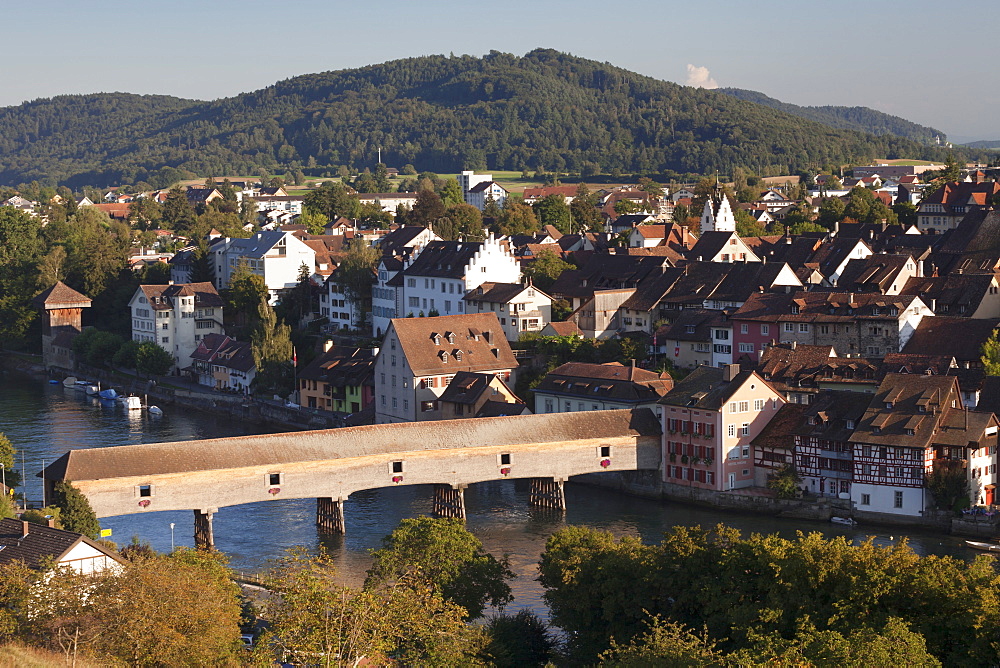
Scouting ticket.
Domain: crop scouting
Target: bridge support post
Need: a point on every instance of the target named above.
(449, 501)
(204, 536)
(547, 493)
(330, 515)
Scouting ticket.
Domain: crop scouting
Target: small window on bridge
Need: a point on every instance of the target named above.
(505, 459)
(273, 479)
(605, 451)
(145, 490)
(397, 467)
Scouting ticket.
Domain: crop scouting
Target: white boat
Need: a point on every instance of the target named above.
(849, 521)
(131, 403)
(81, 385)
(985, 547)
(69, 381)
(154, 410)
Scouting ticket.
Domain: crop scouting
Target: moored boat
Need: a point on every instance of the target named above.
(108, 394)
(154, 410)
(848, 521)
(131, 403)
(69, 381)
(985, 547)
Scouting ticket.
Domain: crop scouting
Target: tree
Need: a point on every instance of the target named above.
(681, 214)
(246, 290)
(467, 221)
(624, 207)
(97, 250)
(152, 360)
(831, 212)
(356, 273)
(272, 353)
(666, 644)
(586, 216)
(75, 511)
(545, 269)
(906, 212)
(521, 639)
(990, 355)
(445, 556)
(450, 192)
(552, 210)
(145, 213)
(177, 213)
(125, 357)
(948, 485)
(7, 452)
(650, 186)
(427, 209)
(317, 621)
(516, 218)
(21, 247)
(97, 347)
(784, 481)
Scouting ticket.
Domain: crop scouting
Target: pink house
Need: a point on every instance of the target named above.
(710, 419)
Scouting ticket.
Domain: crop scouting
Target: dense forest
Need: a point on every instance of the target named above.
(861, 119)
(543, 110)
(987, 144)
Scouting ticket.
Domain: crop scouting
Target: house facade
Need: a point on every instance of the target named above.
(521, 308)
(275, 256)
(710, 420)
(579, 386)
(176, 317)
(419, 358)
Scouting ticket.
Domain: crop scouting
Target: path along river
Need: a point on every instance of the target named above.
(45, 420)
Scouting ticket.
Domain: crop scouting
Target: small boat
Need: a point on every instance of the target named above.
(53, 381)
(131, 403)
(848, 521)
(69, 381)
(93, 389)
(108, 394)
(81, 385)
(154, 410)
(985, 547)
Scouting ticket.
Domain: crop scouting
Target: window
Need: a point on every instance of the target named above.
(866, 499)
(744, 406)
(745, 431)
(166, 339)
(803, 327)
(758, 404)
(428, 406)
(395, 403)
(605, 451)
(145, 490)
(732, 407)
(789, 327)
(732, 430)
(273, 479)
(765, 330)
(397, 467)
(897, 499)
(746, 347)
(505, 459)
(722, 334)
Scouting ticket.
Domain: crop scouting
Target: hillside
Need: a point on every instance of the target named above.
(985, 144)
(439, 113)
(860, 119)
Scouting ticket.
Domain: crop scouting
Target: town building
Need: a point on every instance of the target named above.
(580, 386)
(913, 426)
(276, 256)
(43, 548)
(482, 193)
(437, 281)
(710, 420)
(522, 308)
(945, 208)
(176, 317)
(420, 357)
(478, 395)
(223, 363)
(340, 379)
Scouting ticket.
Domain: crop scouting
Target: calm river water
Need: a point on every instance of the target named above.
(44, 421)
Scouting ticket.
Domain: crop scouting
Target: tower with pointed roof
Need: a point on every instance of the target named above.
(62, 320)
(717, 216)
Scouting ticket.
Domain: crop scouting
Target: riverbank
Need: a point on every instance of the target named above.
(170, 391)
(757, 501)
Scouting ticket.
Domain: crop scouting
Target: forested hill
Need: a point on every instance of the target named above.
(439, 113)
(861, 119)
(986, 144)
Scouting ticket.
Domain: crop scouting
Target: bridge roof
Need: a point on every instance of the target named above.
(321, 445)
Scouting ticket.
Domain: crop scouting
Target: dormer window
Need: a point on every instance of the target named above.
(437, 339)
(444, 356)
(909, 432)
(795, 309)
(850, 424)
(888, 405)
(450, 336)
(458, 355)
(876, 430)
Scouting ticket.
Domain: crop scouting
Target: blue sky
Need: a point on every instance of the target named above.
(925, 61)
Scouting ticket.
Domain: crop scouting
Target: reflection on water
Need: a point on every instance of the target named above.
(44, 421)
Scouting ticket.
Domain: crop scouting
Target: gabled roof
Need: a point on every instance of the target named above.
(61, 295)
(691, 324)
(36, 545)
(499, 293)
(875, 273)
(706, 388)
(960, 338)
(612, 381)
(477, 343)
(258, 245)
(161, 297)
(711, 244)
(445, 259)
(341, 366)
(954, 294)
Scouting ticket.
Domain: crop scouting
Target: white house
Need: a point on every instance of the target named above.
(445, 271)
(481, 193)
(468, 180)
(521, 308)
(176, 317)
(276, 256)
(44, 547)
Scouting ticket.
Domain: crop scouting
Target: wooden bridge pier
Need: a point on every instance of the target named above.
(330, 515)
(547, 493)
(449, 501)
(204, 536)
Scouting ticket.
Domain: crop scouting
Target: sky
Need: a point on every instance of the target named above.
(928, 62)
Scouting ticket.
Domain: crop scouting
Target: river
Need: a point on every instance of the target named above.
(44, 421)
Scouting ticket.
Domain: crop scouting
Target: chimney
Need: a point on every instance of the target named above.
(52, 521)
(731, 371)
(24, 528)
(327, 345)
(794, 343)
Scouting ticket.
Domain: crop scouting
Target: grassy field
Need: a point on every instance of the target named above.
(908, 163)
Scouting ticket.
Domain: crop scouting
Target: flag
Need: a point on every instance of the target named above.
(295, 358)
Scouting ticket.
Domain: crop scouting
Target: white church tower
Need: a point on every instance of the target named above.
(717, 216)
